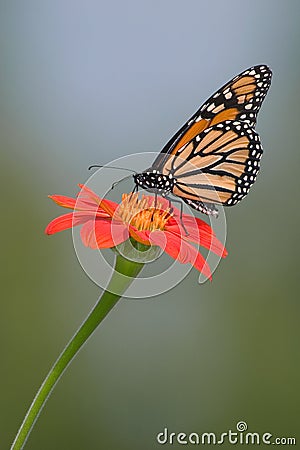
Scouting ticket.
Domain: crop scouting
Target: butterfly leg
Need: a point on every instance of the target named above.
(171, 209)
(181, 212)
(134, 190)
(155, 205)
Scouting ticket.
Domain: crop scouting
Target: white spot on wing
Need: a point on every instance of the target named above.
(211, 107)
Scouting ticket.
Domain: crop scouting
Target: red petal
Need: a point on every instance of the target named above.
(73, 203)
(140, 236)
(191, 222)
(213, 244)
(62, 200)
(60, 223)
(68, 221)
(103, 233)
(87, 196)
(88, 201)
(199, 232)
(209, 240)
(86, 191)
(181, 250)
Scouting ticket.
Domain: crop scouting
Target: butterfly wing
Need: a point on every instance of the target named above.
(240, 99)
(218, 166)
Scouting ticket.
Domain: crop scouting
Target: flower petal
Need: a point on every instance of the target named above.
(70, 220)
(138, 235)
(89, 193)
(103, 234)
(60, 223)
(86, 195)
(181, 250)
(62, 200)
(191, 222)
(199, 232)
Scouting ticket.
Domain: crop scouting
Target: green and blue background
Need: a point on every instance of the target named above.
(88, 82)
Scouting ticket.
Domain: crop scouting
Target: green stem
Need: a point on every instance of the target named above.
(122, 277)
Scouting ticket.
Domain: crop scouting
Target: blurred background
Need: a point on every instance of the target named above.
(87, 82)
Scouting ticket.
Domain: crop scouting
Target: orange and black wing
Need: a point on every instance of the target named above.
(218, 166)
(240, 99)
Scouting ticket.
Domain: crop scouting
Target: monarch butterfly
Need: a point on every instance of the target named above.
(214, 157)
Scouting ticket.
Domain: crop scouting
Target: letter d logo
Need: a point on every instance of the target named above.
(162, 438)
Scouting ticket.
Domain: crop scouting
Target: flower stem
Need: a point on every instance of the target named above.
(123, 275)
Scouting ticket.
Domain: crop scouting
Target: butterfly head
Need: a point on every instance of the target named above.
(154, 181)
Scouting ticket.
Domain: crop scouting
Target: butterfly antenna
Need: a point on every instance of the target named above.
(119, 181)
(111, 167)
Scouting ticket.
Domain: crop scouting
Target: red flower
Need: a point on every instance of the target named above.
(106, 224)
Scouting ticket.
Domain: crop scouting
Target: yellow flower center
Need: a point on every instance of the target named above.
(143, 213)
